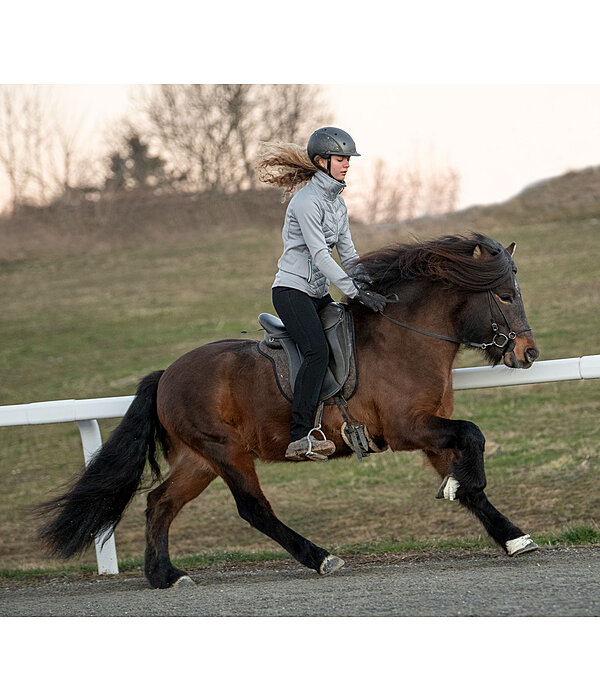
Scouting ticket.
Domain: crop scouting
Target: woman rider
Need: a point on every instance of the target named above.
(316, 221)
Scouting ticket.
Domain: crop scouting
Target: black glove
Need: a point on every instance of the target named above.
(372, 300)
(360, 276)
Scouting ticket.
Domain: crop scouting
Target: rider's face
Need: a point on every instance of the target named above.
(339, 166)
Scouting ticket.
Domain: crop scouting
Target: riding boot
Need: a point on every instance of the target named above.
(310, 448)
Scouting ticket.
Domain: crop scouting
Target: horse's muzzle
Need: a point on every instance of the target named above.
(530, 355)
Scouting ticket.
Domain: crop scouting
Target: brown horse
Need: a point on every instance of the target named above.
(218, 408)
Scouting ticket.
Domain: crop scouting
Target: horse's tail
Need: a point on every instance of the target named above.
(97, 499)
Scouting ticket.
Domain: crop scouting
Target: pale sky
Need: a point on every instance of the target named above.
(500, 138)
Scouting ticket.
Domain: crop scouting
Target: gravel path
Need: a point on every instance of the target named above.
(551, 582)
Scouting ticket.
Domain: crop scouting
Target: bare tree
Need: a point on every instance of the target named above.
(375, 195)
(442, 191)
(209, 134)
(291, 112)
(21, 140)
(68, 164)
(392, 196)
(39, 149)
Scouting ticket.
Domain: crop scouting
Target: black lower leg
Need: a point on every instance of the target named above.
(497, 525)
(158, 568)
(469, 470)
(261, 516)
(468, 466)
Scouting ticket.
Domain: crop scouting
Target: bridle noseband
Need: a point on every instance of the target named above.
(508, 342)
(512, 335)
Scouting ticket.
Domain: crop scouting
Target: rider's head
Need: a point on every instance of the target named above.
(330, 149)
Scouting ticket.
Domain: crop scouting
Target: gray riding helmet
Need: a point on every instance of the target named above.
(330, 141)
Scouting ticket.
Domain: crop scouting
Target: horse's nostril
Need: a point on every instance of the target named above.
(532, 354)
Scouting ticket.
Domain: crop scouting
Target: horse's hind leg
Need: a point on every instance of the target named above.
(190, 475)
(240, 475)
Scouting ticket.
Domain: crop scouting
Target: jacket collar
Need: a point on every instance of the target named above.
(328, 185)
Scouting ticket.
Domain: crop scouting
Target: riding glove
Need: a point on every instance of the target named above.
(372, 300)
(360, 276)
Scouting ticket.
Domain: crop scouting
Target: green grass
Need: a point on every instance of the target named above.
(577, 536)
(91, 326)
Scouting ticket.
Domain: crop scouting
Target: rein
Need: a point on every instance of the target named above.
(509, 339)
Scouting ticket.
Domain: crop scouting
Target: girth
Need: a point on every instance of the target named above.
(286, 357)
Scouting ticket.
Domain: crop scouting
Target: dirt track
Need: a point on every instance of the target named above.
(552, 582)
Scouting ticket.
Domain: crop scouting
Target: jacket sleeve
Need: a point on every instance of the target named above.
(308, 215)
(345, 246)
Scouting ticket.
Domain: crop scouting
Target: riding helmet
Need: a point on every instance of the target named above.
(330, 141)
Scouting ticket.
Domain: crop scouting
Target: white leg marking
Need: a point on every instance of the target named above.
(520, 545)
(183, 582)
(330, 564)
(451, 488)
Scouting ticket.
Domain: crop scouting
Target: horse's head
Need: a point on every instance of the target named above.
(472, 278)
(497, 317)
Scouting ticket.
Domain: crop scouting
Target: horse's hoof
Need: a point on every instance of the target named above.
(330, 564)
(183, 582)
(448, 489)
(520, 545)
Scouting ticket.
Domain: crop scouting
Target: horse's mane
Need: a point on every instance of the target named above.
(448, 260)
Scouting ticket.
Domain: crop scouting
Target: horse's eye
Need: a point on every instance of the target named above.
(505, 298)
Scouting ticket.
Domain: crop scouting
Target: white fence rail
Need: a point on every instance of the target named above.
(87, 412)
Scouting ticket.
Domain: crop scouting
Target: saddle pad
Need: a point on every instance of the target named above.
(281, 369)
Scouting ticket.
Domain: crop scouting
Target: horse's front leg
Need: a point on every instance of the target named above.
(456, 449)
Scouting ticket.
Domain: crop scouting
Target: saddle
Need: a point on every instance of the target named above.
(341, 379)
(286, 357)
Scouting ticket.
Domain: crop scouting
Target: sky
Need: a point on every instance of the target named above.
(500, 138)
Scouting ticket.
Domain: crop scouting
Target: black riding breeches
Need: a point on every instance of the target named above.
(300, 315)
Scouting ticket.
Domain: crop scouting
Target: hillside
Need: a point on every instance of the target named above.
(131, 220)
(573, 195)
(143, 218)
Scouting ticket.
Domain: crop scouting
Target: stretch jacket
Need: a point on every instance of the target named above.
(316, 221)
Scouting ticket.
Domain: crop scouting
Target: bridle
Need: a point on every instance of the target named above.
(505, 341)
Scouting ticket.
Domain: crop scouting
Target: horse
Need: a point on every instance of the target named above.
(218, 408)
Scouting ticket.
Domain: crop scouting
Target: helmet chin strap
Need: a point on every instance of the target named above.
(320, 167)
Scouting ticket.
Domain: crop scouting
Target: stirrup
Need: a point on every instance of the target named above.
(310, 437)
(309, 453)
(309, 447)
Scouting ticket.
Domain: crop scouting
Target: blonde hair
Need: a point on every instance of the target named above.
(283, 165)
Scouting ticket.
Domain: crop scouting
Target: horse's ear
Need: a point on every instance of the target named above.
(477, 252)
(511, 249)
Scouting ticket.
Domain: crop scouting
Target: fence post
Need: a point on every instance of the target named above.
(106, 554)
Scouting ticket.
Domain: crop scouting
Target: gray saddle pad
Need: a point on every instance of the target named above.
(286, 358)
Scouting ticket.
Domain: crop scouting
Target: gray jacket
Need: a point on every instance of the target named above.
(316, 220)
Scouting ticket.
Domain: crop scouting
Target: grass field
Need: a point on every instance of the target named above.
(91, 325)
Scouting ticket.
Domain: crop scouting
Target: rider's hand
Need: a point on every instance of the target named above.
(360, 276)
(372, 300)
